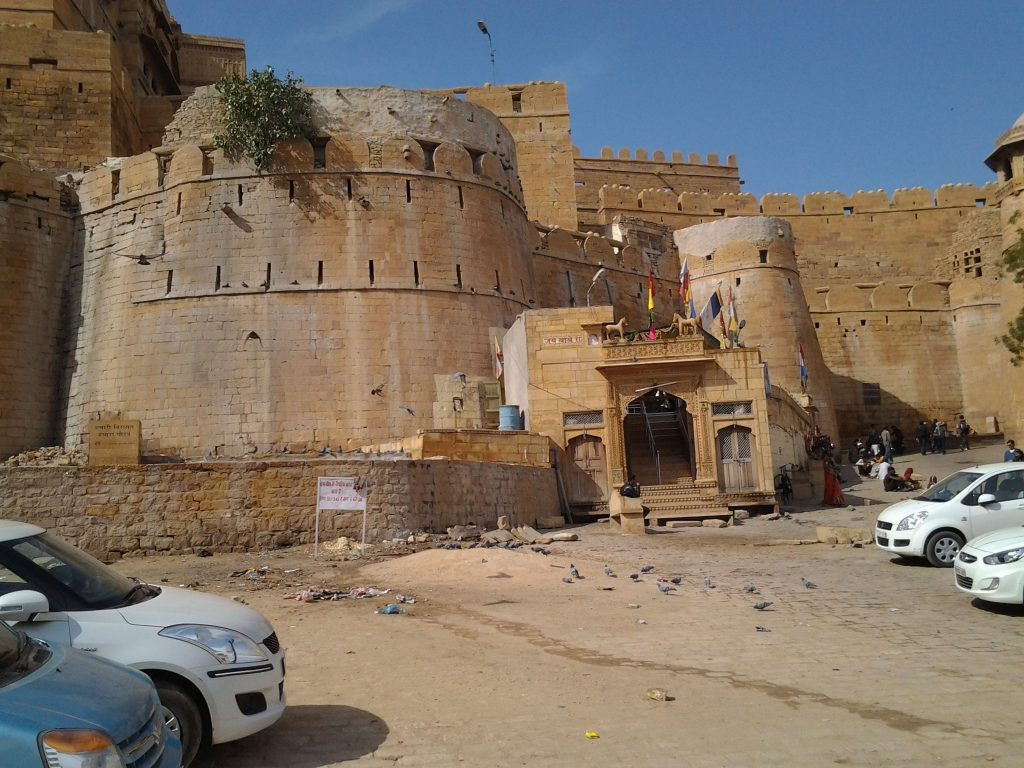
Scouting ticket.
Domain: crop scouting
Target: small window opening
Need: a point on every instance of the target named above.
(836, 264)
(979, 203)
(540, 127)
(839, 321)
(762, 256)
(371, 271)
(8, 83)
(497, 281)
(517, 101)
(240, 194)
(458, 276)
(115, 183)
(319, 151)
(718, 211)
(216, 280)
(462, 202)
(348, 188)
(170, 281)
(886, 319)
(408, 190)
(416, 273)
(863, 322)
(207, 163)
(291, 191)
(266, 280)
(848, 211)
(319, 273)
(708, 256)
(81, 87)
(817, 324)
(177, 207)
(738, 280)
(977, 271)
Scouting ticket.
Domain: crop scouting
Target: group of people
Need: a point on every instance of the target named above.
(935, 436)
(886, 442)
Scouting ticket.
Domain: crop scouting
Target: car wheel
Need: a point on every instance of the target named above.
(182, 717)
(943, 547)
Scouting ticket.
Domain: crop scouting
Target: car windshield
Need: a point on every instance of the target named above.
(950, 487)
(41, 559)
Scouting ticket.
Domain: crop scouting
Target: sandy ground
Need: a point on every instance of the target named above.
(500, 663)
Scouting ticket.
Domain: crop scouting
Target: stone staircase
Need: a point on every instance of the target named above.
(670, 444)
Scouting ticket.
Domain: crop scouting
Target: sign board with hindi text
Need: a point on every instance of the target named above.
(114, 441)
(339, 493)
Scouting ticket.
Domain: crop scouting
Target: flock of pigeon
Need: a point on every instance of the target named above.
(667, 585)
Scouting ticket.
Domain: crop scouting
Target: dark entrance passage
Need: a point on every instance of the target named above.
(658, 437)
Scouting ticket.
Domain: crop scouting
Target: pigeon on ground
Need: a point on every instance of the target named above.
(762, 605)
(647, 569)
(762, 629)
(608, 571)
(574, 572)
(808, 584)
(635, 576)
(567, 580)
(707, 582)
(666, 588)
(378, 390)
(676, 579)
(750, 589)
(408, 410)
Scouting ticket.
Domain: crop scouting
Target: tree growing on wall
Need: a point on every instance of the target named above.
(261, 110)
(1013, 263)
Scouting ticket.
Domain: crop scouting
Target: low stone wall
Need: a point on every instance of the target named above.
(229, 506)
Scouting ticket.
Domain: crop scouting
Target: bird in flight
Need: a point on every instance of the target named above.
(408, 410)
(378, 390)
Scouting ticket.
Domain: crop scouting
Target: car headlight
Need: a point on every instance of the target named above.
(79, 749)
(1009, 556)
(910, 522)
(226, 645)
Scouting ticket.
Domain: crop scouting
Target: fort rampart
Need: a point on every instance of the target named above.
(35, 243)
(231, 310)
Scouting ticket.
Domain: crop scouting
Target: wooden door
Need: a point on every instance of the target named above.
(736, 459)
(587, 470)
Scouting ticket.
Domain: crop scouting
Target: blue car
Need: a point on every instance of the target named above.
(61, 708)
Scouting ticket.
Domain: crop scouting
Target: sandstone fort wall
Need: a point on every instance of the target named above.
(35, 243)
(241, 507)
(229, 310)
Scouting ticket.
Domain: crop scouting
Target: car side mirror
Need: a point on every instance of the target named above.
(986, 498)
(22, 605)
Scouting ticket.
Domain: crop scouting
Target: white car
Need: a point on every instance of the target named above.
(967, 504)
(217, 665)
(991, 567)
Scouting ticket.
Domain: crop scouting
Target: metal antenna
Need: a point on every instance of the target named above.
(490, 44)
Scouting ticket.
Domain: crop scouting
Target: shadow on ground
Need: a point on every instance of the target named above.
(1002, 609)
(306, 736)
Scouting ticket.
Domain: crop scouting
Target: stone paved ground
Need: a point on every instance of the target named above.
(500, 663)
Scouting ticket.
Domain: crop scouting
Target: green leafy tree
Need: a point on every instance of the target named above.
(1013, 263)
(261, 110)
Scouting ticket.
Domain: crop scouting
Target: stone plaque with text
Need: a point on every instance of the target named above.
(114, 441)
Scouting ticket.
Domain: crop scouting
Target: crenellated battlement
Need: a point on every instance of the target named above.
(640, 155)
(619, 197)
(156, 171)
(917, 296)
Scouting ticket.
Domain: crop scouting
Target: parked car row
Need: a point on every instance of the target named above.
(212, 670)
(973, 522)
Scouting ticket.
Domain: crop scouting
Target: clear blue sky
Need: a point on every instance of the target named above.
(809, 95)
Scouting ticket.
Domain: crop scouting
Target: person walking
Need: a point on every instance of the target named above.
(963, 429)
(1008, 455)
(886, 437)
(922, 435)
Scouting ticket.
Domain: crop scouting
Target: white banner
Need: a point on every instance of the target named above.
(339, 493)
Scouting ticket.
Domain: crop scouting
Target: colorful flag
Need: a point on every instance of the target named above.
(803, 369)
(734, 327)
(684, 290)
(499, 359)
(711, 310)
(650, 302)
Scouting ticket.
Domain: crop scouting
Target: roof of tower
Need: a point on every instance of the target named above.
(1015, 135)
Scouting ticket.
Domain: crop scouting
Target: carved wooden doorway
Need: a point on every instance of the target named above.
(736, 459)
(587, 476)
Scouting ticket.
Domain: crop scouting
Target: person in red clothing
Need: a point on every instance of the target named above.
(833, 491)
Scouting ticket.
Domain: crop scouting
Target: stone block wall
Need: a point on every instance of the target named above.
(505, 447)
(35, 245)
(240, 507)
(267, 307)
